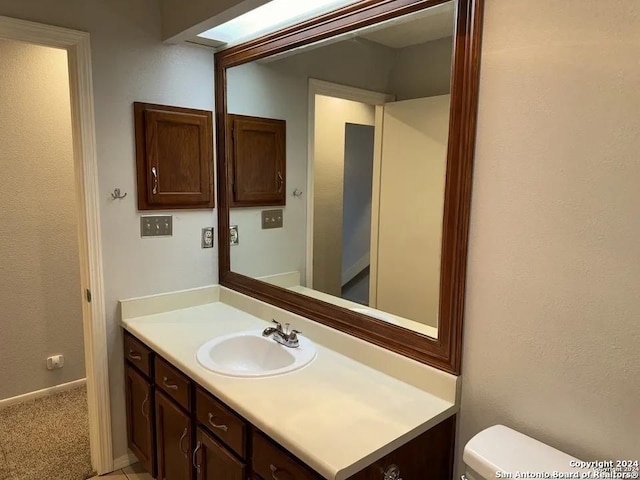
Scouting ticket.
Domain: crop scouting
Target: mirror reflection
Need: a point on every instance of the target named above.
(338, 153)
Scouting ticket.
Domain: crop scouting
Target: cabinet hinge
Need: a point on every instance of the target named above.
(88, 295)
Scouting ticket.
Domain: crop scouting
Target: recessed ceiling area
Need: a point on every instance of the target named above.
(268, 18)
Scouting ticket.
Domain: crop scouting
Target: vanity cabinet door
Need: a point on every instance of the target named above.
(214, 462)
(139, 399)
(173, 438)
(428, 456)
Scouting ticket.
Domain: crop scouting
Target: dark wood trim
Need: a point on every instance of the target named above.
(445, 351)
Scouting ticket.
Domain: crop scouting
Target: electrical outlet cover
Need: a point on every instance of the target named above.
(207, 237)
(234, 237)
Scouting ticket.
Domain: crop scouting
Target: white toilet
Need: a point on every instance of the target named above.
(499, 451)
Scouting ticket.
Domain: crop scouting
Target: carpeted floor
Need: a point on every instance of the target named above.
(46, 439)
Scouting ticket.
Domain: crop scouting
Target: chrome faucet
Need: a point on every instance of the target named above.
(283, 337)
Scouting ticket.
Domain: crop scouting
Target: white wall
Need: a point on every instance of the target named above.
(551, 337)
(40, 291)
(415, 134)
(356, 62)
(130, 64)
(261, 91)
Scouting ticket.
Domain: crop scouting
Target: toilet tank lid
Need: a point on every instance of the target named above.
(501, 449)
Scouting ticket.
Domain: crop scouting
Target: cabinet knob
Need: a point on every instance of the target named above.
(133, 355)
(182, 438)
(280, 181)
(392, 473)
(196, 465)
(144, 402)
(275, 472)
(154, 173)
(171, 386)
(222, 427)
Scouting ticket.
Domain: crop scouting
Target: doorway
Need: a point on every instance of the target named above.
(356, 212)
(43, 372)
(88, 286)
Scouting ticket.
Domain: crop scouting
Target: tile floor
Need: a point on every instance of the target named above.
(133, 472)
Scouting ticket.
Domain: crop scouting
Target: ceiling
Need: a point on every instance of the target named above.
(425, 26)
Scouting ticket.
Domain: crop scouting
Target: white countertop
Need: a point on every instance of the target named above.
(337, 415)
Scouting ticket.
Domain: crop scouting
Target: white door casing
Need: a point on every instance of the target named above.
(78, 49)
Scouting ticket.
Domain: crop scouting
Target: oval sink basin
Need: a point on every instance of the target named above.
(249, 354)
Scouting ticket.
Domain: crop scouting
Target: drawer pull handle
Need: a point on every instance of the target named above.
(184, 435)
(392, 473)
(154, 174)
(145, 401)
(133, 355)
(195, 458)
(171, 386)
(275, 470)
(222, 427)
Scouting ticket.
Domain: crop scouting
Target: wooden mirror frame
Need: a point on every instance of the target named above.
(445, 351)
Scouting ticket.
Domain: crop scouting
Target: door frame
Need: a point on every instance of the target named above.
(329, 89)
(77, 46)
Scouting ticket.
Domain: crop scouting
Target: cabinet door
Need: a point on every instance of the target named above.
(215, 462)
(173, 439)
(174, 152)
(429, 456)
(139, 399)
(258, 161)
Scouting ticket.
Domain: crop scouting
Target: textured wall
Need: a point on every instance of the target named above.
(422, 70)
(40, 292)
(131, 64)
(258, 90)
(551, 337)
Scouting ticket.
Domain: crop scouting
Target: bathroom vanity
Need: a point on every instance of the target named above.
(344, 415)
(380, 398)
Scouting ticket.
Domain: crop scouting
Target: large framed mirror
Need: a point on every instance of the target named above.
(345, 151)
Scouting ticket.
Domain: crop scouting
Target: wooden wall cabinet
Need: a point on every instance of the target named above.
(258, 161)
(174, 157)
(187, 434)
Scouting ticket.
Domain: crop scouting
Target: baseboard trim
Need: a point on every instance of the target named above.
(124, 461)
(45, 392)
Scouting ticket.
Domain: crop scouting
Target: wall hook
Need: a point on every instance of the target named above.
(297, 193)
(117, 195)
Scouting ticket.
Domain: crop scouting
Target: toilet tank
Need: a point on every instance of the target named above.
(500, 452)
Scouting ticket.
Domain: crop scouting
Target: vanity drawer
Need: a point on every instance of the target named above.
(270, 461)
(137, 353)
(222, 422)
(173, 382)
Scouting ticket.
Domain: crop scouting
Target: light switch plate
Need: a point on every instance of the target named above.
(272, 218)
(156, 226)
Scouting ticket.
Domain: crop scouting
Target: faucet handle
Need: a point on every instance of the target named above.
(278, 324)
(294, 334)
